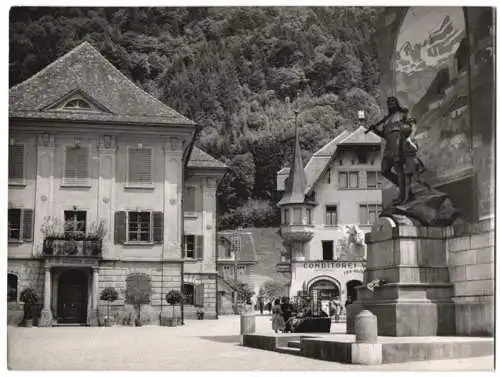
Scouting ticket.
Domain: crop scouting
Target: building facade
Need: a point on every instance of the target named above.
(105, 185)
(339, 186)
(236, 258)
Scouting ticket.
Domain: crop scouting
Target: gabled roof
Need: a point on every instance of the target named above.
(321, 159)
(358, 137)
(201, 159)
(85, 70)
(247, 252)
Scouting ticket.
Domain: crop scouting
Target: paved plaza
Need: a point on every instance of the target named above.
(199, 345)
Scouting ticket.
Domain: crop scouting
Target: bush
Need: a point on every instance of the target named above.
(30, 299)
(254, 213)
(174, 298)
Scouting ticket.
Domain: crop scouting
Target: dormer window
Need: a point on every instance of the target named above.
(77, 104)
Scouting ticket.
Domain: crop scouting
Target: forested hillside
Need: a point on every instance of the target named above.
(238, 72)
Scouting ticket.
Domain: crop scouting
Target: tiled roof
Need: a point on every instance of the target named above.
(84, 69)
(359, 137)
(200, 159)
(320, 160)
(247, 251)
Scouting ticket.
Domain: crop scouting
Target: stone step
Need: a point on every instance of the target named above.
(289, 350)
(294, 344)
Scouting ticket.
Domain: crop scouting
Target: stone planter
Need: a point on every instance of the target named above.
(28, 322)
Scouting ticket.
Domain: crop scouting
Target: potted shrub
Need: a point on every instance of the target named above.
(200, 312)
(174, 298)
(108, 294)
(30, 299)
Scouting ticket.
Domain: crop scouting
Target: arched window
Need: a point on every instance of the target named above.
(11, 288)
(188, 290)
(77, 104)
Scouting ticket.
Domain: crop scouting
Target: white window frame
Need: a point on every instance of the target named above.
(21, 222)
(348, 173)
(336, 205)
(19, 181)
(151, 225)
(139, 184)
(378, 179)
(194, 246)
(87, 183)
(379, 206)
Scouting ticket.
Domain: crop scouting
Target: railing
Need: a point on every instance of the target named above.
(72, 248)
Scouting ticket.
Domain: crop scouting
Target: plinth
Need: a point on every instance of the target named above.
(416, 296)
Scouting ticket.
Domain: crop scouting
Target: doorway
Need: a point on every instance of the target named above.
(72, 297)
(351, 289)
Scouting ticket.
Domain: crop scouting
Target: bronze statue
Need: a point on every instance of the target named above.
(400, 153)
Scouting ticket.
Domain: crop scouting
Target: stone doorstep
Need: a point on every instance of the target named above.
(341, 347)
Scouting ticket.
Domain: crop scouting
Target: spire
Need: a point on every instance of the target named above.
(296, 183)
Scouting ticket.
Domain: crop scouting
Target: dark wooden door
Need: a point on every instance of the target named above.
(72, 298)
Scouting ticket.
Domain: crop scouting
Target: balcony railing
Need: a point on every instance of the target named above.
(72, 248)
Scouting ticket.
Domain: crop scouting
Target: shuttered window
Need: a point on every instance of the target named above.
(20, 225)
(138, 227)
(16, 162)
(193, 246)
(76, 166)
(140, 163)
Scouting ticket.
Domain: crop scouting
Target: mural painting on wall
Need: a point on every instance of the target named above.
(351, 247)
(432, 81)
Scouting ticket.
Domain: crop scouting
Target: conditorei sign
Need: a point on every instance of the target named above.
(346, 267)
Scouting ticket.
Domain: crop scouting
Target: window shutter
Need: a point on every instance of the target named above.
(196, 295)
(76, 170)
(199, 247)
(27, 216)
(120, 227)
(158, 227)
(16, 161)
(140, 166)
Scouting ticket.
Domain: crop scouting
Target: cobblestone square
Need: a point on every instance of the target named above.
(197, 346)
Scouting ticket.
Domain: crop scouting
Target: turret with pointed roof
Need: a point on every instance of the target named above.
(296, 182)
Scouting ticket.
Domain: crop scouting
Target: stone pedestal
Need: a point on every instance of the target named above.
(415, 297)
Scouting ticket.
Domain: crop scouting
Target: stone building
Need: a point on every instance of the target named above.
(104, 184)
(340, 185)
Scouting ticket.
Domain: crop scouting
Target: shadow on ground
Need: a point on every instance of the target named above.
(223, 338)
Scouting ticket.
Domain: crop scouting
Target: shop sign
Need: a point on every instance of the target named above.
(348, 266)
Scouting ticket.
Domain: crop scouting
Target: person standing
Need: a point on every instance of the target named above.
(278, 323)
(261, 305)
(286, 309)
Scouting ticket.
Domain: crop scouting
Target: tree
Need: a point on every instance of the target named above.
(109, 294)
(174, 298)
(272, 289)
(138, 292)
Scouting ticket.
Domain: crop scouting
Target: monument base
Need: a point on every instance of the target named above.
(45, 318)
